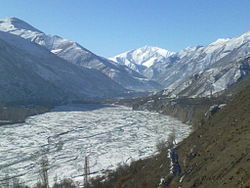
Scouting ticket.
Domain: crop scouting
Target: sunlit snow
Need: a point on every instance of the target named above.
(108, 135)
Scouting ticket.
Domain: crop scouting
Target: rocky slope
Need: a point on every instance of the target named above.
(217, 153)
(188, 110)
(218, 77)
(78, 55)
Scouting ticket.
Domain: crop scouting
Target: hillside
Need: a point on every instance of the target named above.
(216, 154)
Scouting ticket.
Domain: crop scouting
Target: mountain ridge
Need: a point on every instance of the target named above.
(210, 63)
(78, 55)
(31, 74)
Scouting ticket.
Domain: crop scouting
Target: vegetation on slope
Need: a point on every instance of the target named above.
(217, 154)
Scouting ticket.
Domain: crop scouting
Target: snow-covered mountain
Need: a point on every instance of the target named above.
(194, 71)
(216, 79)
(142, 58)
(78, 55)
(189, 72)
(30, 73)
(218, 64)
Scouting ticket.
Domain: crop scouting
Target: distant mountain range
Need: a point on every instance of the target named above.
(40, 67)
(194, 71)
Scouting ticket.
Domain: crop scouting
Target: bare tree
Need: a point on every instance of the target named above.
(6, 181)
(86, 172)
(44, 167)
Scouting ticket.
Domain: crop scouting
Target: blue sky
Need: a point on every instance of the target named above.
(109, 27)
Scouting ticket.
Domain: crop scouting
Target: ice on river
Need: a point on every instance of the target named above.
(109, 135)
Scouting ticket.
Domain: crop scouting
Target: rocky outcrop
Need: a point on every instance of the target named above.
(188, 110)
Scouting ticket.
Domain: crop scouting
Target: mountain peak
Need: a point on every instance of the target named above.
(14, 23)
(149, 47)
(141, 58)
(10, 19)
(153, 49)
(220, 41)
(244, 37)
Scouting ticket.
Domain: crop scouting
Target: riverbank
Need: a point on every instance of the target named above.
(18, 114)
(11, 114)
(192, 111)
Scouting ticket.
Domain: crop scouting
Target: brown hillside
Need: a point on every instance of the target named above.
(217, 154)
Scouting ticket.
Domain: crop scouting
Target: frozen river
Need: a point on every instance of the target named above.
(108, 135)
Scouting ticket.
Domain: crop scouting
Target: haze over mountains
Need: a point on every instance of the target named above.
(40, 67)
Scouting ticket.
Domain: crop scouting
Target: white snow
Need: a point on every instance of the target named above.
(143, 57)
(56, 51)
(109, 136)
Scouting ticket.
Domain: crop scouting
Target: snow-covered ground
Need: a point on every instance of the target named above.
(108, 135)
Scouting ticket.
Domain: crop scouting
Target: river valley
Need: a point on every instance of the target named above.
(108, 135)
